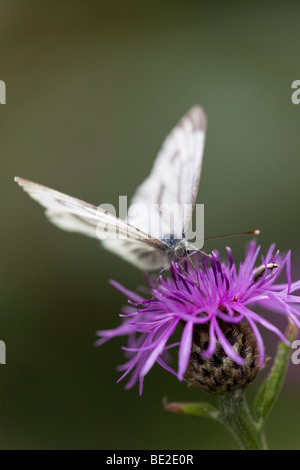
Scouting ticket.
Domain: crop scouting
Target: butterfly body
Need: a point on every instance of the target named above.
(176, 248)
(152, 236)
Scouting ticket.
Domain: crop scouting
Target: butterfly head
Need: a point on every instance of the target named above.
(181, 251)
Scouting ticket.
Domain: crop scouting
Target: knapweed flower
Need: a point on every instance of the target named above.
(211, 303)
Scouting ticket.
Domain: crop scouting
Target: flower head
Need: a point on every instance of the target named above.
(211, 302)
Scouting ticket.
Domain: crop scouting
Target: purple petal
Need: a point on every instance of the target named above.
(159, 348)
(185, 349)
(228, 349)
(259, 340)
(212, 342)
(126, 292)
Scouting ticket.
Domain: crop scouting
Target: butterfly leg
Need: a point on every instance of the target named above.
(159, 275)
(191, 261)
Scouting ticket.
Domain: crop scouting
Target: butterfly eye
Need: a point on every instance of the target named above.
(180, 251)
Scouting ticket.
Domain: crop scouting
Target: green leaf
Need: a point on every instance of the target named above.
(234, 414)
(193, 408)
(270, 389)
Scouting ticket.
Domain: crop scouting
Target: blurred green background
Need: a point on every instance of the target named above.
(92, 90)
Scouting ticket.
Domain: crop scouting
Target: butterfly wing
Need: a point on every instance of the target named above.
(173, 181)
(72, 214)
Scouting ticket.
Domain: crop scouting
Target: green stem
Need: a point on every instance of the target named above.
(236, 416)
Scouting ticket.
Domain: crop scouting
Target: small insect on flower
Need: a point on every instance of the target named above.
(211, 303)
(260, 271)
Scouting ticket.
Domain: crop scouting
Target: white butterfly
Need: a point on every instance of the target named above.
(174, 179)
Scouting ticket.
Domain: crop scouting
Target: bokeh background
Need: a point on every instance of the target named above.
(92, 90)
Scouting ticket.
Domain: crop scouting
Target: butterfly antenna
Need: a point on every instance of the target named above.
(196, 250)
(253, 232)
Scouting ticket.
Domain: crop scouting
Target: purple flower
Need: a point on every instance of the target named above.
(207, 292)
